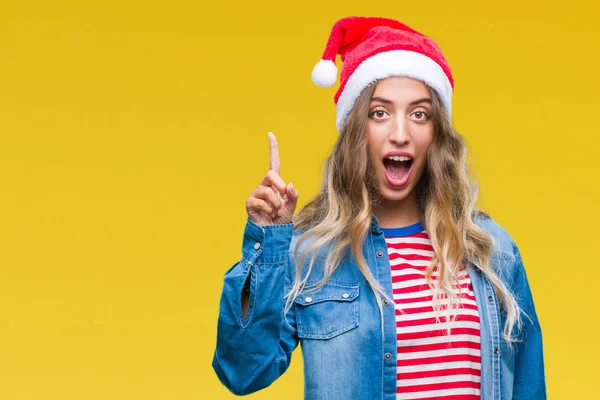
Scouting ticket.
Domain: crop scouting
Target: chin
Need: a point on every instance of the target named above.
(394, 194)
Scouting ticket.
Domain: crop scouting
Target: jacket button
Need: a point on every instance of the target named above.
(388, 356)
(496, 351)
(380, 254)
(345, 295)
(256, 246)
(386, 302)
(491, 299)
(308, 299)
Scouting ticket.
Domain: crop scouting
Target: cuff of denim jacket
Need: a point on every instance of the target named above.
(267, 244)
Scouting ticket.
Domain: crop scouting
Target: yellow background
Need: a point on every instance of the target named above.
(132, 132)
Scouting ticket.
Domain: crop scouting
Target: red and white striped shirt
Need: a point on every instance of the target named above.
(431, 363)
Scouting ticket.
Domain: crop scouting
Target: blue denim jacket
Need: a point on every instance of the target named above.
(348, 347)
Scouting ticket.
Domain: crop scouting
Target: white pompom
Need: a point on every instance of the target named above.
(324, 73)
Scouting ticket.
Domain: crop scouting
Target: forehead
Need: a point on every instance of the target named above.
(401, 89)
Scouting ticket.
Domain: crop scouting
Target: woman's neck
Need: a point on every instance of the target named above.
(396, 214)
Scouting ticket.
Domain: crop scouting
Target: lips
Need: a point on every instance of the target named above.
(397, 168)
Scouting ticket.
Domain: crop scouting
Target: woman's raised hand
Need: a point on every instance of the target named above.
(272, 202)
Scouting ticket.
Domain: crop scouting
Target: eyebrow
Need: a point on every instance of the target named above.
(412, 103)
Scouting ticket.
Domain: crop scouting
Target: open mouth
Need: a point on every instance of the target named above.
(397, 169)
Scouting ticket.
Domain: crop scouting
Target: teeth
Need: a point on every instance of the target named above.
(399, 158)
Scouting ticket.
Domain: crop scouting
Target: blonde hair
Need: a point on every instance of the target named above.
(339, 216)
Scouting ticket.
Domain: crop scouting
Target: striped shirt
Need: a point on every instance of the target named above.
(431, 363)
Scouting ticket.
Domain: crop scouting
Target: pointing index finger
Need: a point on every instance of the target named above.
(274, 163)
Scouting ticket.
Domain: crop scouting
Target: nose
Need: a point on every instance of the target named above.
(399, 134)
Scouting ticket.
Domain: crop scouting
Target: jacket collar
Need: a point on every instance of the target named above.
(375, 225)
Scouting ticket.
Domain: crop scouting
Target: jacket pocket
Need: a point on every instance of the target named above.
(327, 312)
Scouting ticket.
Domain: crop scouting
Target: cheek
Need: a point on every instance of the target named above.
(377, 133)
(373, 143)
(371, 135)
(424, 140)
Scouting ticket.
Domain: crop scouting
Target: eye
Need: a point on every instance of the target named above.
(421, 115)
(378, 114)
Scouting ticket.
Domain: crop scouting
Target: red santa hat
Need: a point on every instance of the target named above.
(377, 48)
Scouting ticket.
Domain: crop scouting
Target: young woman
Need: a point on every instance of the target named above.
(394, 285)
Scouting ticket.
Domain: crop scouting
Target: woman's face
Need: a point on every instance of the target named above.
(399, 131)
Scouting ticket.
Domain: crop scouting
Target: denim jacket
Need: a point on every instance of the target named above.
(348, 345)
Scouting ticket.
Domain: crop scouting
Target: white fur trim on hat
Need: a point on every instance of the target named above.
(325, 73)
(388, 64)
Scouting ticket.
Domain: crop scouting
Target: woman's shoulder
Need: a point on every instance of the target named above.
(504, 244)
(506, 258)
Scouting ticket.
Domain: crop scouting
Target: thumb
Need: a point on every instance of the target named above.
(292, 195)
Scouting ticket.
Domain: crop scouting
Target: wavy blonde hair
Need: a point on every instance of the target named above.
(340, 215)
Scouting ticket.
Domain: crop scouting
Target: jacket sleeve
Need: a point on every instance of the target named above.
(529, 378)
(252, 352)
